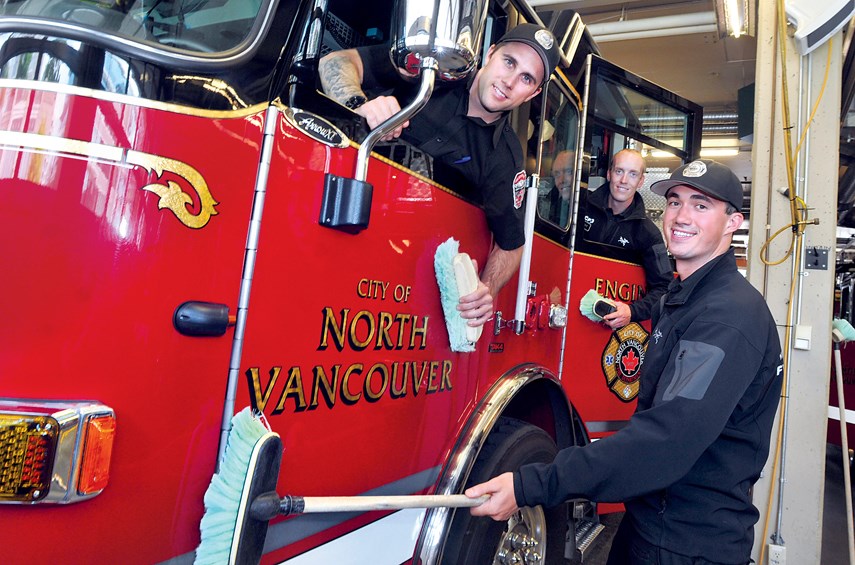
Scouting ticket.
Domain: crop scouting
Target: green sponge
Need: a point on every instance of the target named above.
(594, 307)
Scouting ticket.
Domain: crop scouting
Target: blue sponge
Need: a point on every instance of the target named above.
(459, 332)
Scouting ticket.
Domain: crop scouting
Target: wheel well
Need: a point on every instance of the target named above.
(542, 403)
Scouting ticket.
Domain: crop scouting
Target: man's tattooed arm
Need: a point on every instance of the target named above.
(341, 74)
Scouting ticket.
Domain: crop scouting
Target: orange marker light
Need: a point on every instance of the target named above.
(97, 450)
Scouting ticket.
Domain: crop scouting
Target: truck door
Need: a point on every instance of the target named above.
(621, 111)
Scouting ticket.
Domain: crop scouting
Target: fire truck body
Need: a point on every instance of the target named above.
(154, 187)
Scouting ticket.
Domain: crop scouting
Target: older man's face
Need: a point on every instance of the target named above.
(563, 170)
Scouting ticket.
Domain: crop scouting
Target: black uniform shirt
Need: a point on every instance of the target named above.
(685, 463)
(481, 161)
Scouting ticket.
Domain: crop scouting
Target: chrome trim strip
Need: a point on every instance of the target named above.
(465, 452)
(271, 123)
(69, 453)
(144, 50)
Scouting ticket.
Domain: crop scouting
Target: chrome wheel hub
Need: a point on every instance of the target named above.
(524, 541)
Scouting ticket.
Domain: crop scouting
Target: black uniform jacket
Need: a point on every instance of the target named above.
(686, 461)
(468, 152)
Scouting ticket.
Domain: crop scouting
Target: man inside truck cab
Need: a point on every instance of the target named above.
(555, 205)
(615, 214)
(465, 128)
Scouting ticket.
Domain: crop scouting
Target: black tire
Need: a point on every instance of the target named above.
(478, 541)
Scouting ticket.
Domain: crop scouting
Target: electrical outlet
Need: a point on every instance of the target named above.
(777, 554)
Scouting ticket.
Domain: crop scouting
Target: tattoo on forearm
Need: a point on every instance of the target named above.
(339, 78)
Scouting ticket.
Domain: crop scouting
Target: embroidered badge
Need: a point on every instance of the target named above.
(519, 189)
(589, 221)
(622, 360)
(544, 38)
(695, 169)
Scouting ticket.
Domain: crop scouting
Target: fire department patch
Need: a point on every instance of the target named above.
(622, 360)
(519, 189)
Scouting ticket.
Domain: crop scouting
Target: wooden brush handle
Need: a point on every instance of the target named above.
(314, 504)
(268, 505)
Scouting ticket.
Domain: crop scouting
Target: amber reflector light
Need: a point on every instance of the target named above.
(97, 449)
(27, 446)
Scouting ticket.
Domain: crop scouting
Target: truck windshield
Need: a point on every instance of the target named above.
(196, 26)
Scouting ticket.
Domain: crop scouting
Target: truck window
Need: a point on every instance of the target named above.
(558, 138)
(629, 113)
(202, 26)
(348, 26)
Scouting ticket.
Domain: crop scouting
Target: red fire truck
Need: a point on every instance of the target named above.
(163, 169)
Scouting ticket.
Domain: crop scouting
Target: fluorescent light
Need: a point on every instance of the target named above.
(734, 24)
(705, 152)
(732, 17)
(719, 151)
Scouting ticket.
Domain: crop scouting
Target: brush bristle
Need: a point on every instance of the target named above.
(222, 499)
(449, 295)
(844, 329)
(587, 306)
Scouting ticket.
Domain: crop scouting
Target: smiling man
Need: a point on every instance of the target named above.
(465, 129)
(685, 463)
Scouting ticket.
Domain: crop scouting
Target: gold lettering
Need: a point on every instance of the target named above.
(402, 319)
(598, 285)
(417, 384)
(446, 375)
(396, 391)
(370, 395)
(611, 289)
(338, 329)
(383, 326)
(329, 388)
(359, 292)
(346, 396)
(355, 343)
(432, 377)
(294, 388)
(258, 400)
(422, 331)
(624, 292)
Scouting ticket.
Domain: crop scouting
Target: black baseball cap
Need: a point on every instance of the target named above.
(538, 38)
(710, 177)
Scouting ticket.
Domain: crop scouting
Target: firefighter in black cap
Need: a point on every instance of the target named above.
(685, 463)
(465, 129)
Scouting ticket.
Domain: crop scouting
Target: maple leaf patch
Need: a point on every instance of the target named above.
(622, 359)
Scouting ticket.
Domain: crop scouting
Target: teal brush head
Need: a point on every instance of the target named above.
(842, 331)
(460, 335)
(594, 307)
(223, 497)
